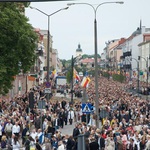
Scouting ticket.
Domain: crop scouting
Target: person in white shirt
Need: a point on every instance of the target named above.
(44, 124)
(70, 116)
(148, 143)
(61, 146)
(0, 131)
(15, 143)
(16, 129)
(33, 134)
(8, 129)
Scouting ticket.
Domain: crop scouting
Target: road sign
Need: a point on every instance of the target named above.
(48, 84)
(47, 90)
(130, 82)
(41, 104)
(86, 108)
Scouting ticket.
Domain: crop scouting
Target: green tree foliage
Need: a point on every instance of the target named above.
(118, 77)
(90, 56)
(17, 44)
(105, 74)
(69, 76)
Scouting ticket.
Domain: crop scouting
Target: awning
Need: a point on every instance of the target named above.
(30, 78)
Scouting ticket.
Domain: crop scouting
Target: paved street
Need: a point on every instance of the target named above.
(68, 97)
(62, 95)
(68, 129)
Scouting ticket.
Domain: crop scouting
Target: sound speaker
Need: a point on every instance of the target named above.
(31, 100)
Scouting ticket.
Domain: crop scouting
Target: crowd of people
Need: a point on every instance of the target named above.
(127, 125)
(124, 121)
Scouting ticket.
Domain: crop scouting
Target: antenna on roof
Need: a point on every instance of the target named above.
(140, 24)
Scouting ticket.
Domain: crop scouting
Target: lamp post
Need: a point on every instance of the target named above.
(129, 67)
(95, 47)
(72, 66)
(146, 60)
(138, 77)
(73, 60)
(48, 38)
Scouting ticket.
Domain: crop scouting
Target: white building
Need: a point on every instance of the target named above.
(144, 51)
(130, 46)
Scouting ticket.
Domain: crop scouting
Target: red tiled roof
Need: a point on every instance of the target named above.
(89, 60)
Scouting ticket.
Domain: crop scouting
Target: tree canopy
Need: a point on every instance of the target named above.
(17, 44)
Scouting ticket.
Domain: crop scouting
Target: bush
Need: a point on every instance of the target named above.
(118, 77)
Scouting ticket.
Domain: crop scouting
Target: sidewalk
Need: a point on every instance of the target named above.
(68, 97)
(62, 95)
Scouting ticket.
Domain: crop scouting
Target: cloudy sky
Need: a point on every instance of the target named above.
(76, 25)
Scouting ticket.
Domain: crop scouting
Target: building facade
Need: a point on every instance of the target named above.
(144, 61)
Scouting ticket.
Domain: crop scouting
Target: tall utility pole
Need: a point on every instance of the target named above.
(95, 48)
(147, 72)
(138, 76)
(72, 90)
(138, 81)
(48, 39)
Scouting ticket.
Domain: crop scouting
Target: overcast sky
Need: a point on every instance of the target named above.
(76, 25)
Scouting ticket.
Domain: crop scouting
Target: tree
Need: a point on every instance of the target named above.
(17, 44)
(69, 76)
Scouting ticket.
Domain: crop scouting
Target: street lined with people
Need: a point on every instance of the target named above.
(123, 120)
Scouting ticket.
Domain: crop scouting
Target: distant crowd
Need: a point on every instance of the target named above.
(124, 120)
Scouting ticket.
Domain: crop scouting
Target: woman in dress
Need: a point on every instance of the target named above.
(15, 143)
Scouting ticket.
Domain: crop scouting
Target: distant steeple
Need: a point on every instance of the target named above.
(79, 48)
(140, 24)
(138, 30)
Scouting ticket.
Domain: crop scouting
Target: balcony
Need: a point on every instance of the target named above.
(127, 54)
(122, 57)
(127, 66)
(34, 70)
(40, 51)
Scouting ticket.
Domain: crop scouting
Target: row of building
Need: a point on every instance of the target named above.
(116, 55)
(38, 72)
(131, 54)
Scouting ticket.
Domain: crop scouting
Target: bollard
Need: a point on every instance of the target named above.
(81, 142)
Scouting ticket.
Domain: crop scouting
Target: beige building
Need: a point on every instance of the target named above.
(144, 51)
(56, 63)
(113, 51)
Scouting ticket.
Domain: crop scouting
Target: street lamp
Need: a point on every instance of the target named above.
(138, 77)
(73, 60)
(146, 60)
(129, 68)
(72, 66)
(95, 47)
(48, 37)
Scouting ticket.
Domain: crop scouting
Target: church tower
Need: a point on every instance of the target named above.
(79, 51)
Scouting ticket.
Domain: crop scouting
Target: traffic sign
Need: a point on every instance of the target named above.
(41, 104)
(47, 90)
(86, 108)
(48, 84)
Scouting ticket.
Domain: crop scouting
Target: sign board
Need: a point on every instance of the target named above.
(48, 84)
(130, 82)
(47, 90)
(104, 113)
(86, 108)
(41, 104)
